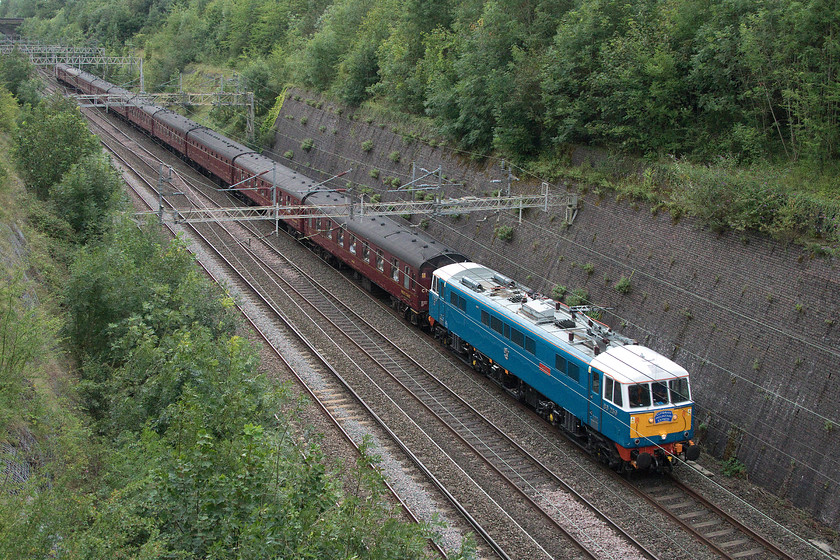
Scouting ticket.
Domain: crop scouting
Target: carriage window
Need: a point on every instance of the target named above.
(679, 390)
(596, 382)
(365, 251)
(496, 325)
(530, 346)
(380, 262)
(341, 236)
(560, 363)
(395, 270)
(435, 284)
(617, 395)
(485, 318)
(573, 371)
(639, 395)
(353, 244)
(328, 226)
(608, 388)
(407, 278)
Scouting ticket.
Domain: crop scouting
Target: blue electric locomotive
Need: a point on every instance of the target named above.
(629, 405)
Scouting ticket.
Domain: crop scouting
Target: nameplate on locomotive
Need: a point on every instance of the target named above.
(663, 416)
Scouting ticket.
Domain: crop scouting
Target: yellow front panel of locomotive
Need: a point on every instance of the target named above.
(660, 422)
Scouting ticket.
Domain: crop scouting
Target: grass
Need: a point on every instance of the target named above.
(799, 202)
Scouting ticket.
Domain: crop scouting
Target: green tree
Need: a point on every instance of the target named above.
(317, 64)
(15, 70)
(87, 196)
(572, 60)
(129, 270)
(401, 77)
(51, 138)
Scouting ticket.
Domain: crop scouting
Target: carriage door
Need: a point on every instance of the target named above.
(595, 398)
(442, 303)
(434, 300)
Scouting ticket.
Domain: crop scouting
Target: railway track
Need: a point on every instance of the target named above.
(710, 524)
(335, 397)
(524, 476)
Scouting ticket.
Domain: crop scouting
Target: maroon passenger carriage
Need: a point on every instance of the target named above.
(398, 259)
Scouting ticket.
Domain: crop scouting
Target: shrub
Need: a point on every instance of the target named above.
(374, 173)
(505, 233)
(307, 144)
(558, 292)
(394, 156)
(87, 195)
(367, 145)
(733, 467)
(289, 154)
(54, 132)
(9, 110)
(589, 268)
(579, 296)
(623, 286)
(304, 120)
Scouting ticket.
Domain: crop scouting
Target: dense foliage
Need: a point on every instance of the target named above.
(52, 137)
(750, 78)
(737, 99)
(167, 442)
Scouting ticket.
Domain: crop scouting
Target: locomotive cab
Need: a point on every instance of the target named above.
(647, 407)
